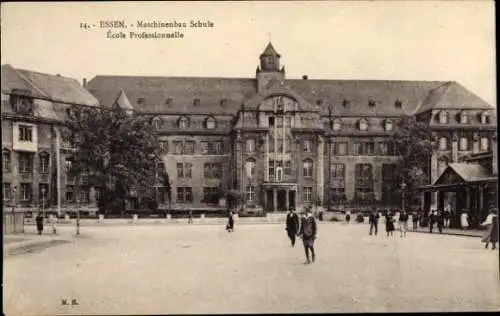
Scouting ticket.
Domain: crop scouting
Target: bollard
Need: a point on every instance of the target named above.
(134, 219)
(101, 218)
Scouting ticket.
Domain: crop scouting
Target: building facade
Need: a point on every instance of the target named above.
(293, 142)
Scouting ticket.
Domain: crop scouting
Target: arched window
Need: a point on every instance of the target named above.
(337, 125)
(307, 167)
(44, 162)
(388, 125)
(250, 168)
(183, 122)
(210, 123)
(464, 117)
(157, 122)
(443, 117)
(6, 160)
(363, 125)
(443, 143)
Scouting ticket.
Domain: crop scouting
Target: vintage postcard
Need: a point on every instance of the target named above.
(249, 157)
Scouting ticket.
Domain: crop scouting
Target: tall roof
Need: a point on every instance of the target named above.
(123, 102)
(452, 95)
(270, 51)
(55, 88)
(468, 172)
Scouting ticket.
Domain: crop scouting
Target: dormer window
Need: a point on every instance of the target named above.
(337, 125)
(21, 103)
(223, 102)
(464, 118)
(183, 122)
(210, 123)
(319, 102)
(157, 122)
(388, 125)
(443, 117)
(363, 125)
(398, 104)
(371, 103)
(169, 102)
(485, 118)
(196, 102)
(345, 103)
(141, 101)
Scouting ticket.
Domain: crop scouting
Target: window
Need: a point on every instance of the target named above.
(25, 133)
(464, 143)
(339, 149)
(160, 170)
(44, 162)
(356, 149)
(250, 194)
(177, 147)
(464, 118)
(363, 125)
(307, 145)
(279, 121)
(443, 117)
(271, 121)
(211, 148)
(288, 121)
(184, 194)
(157, 122)
(287, 170)
(388, 125)
(211, 195)
(6, 191)
(443, 143)
(337, 171)
(279, 171)
(384, 149)
(210, 123)
(84, 176)
(250, 168)
(163, 146)
(307, 194)
(250, 145)
(308, 169)
(183, 122)
(188, 148)
(485, 118)
(337, 125)
(6, 160)
(25, 162)
(271, 170)
(184, 170)
(84, 194)
(25, 192)
(68, 165)
(364, 175)
(212, 170)
(288, 144)
(70, 193)
(21, 104)
(368, 148)
(485, 144)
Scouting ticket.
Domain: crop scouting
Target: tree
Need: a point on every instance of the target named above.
(119, 152)
(413, 143)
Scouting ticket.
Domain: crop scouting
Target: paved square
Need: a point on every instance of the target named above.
(161, 269)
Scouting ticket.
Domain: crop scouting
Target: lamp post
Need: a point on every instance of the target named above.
(78, 216)
(403, 188)
(14, 190)
(43, 202)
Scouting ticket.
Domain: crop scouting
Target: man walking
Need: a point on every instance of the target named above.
(415, 218)
(432, 220)
(440, 221)
(308, 232)
(373, 220)
(39, 223)
(292, 225)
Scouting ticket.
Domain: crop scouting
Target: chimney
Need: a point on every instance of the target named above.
(84, 82)
(304, 77)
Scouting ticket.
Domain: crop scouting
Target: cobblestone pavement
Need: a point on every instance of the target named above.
(202, 269)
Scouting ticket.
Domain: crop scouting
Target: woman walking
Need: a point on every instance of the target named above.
(389, 223)
(39, 223)
(491, 235)
(230, 222)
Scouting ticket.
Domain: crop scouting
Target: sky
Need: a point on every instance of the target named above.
(386, 40)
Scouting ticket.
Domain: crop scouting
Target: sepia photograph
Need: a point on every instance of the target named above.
(235, 157)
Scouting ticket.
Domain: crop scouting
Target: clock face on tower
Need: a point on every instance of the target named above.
(280, 104)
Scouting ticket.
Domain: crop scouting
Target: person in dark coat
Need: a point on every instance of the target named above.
(440, 221)
(308, 231)
(348, 217)
(389, 223)
(373, 220)
(292, 226)
(415, 218)
(403, 222)
(230, 222)
(39, 223)
(432, 220)
(190, 216)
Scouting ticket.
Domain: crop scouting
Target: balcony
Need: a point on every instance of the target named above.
(26, 176)
(44, 177)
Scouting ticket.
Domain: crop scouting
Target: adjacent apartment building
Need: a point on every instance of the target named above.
(283, 142)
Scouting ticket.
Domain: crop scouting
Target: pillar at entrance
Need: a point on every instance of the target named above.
(275, 200)
(287, 200)
(481, 198)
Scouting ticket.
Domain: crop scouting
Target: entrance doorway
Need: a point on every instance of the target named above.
(281, 200)
(270, 200)
(291, 199)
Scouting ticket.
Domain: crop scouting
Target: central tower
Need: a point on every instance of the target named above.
(269, 70)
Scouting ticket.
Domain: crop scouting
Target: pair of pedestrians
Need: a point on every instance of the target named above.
(307, 230)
